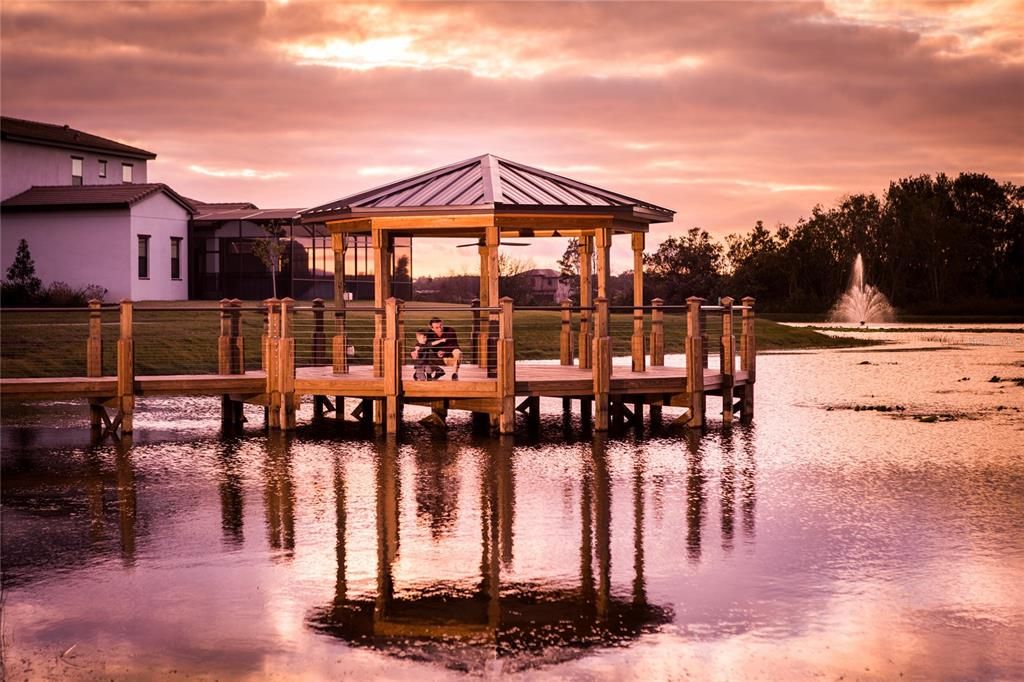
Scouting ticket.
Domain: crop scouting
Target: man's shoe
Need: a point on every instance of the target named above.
(455, 377)
(418, 376)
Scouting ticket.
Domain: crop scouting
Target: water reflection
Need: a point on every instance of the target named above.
(524, 623)
(232, 501)
(279, 494)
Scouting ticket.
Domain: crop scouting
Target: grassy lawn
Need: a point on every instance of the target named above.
(184, 340)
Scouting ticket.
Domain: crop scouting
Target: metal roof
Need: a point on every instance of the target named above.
(88, 196)
(20, 130)
(487, 182)
(254, 215)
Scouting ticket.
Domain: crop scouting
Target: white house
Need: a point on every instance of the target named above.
(129, 239)
(83, 205)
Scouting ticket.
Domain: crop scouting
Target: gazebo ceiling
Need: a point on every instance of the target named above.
(489, 184)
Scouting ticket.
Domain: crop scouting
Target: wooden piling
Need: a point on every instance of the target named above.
(506, 368)
(602, 369)
(94, 357)
(392, 364)
(286, 366)
(748, 358)
(637, 341)
(565, 347)
(271, 362)
(727, 351)
(125, 370)
(657, 333)
(585, 249)
(695, 361)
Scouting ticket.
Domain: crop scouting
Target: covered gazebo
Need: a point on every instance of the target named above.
(489, 198)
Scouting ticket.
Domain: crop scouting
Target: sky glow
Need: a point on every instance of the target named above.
(726, 112)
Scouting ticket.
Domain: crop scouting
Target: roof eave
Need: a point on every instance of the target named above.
(140, 154)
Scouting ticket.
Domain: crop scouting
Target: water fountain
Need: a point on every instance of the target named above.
(861, 302)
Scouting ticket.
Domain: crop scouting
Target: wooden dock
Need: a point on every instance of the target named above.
(492, 382)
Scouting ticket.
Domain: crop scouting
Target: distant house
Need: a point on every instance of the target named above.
(83, 205)
(543, 283)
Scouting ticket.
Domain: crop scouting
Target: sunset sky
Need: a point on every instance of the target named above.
(725, 112)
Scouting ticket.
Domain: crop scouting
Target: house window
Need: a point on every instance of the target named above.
(76, 170)
(143, 256)
(126, 173)
(175, 257)
(103, 168)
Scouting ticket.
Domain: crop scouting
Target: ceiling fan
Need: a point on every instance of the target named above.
(480, 242)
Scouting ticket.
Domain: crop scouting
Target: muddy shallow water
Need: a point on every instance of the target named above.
(830, 537)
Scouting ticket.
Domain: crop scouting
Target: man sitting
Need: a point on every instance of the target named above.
(445, 343)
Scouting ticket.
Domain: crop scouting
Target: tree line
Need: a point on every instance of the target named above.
(931, 244)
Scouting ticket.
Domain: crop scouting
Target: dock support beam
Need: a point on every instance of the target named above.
(695, 361)
(271, 362)
(230, 356)
(602, 356)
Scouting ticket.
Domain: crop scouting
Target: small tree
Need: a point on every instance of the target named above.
(22, 272)
(272, 252)
(569, 268)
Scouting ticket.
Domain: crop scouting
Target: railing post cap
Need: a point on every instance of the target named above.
(318, 301)
(695, 299)
(125, 301)
(505, 298)
(224, 302)
(657, 301)
(566, 302)
(236, 302)
(272, 301)
(94, 302)
(726, 300)
(747, 300)
(287, 300)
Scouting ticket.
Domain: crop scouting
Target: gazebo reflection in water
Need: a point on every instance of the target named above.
(524, 623)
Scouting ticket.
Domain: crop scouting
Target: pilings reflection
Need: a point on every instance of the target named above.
(451, 624)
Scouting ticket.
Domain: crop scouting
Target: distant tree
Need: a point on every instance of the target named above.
(272, 252)
(513, 280)
(401, 273)
(22, 287)
(22, 272)
(690, 265)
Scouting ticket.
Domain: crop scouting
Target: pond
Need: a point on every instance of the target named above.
(868, 523)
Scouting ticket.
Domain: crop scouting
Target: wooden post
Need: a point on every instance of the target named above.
(637, 342)
(727, 351)
(381, 292)
(94, 357)
(602, 357)
(748, 358)
(286, 366)
(603, 242)
(319, 333)
(485, 291)
(226, 361)
(339, 342)
(474, 341)
(506, 369)
(392, 364)
(492, 237)
(657, 333)
(271, 351)
(694, 361)
(238, 339)
(565, 353)
(126, 369)
(585, 248)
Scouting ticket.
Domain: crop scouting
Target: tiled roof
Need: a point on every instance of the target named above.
(486, 181)
(65, 136)
(88, 196)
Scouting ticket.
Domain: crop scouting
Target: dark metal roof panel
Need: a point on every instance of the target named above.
(485, 181)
